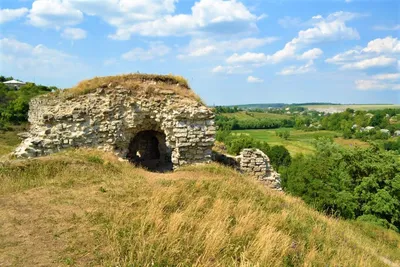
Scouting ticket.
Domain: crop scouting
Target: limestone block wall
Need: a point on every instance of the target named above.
(256, 163)
(109, 118)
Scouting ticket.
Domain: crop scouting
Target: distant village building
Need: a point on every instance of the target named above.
(367, 129)
(354, 126)
(370, 115)
(14, 84)
(397, 133)
(386, 131)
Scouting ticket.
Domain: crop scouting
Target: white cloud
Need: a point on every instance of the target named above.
(385, 45)
(54, 14)
(236, 69)
(206, 16)
(7, 15)
(74, 33)
(155, 50)
(387, 76)
(311, 54)
(331, 28)
(378, 53)
(252, 79)
(386, 81)
(380, 61)
(292, 70)
(38, 60)
(386, 28)
(248, 57)
(203, 47)
(148, 18)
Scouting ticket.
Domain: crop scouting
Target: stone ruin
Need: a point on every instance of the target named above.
(256, 163)
(253, 162)
(152, 120)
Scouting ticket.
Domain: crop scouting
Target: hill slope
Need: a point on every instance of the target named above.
(87, 208)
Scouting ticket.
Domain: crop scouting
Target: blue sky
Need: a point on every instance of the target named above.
(231, 51)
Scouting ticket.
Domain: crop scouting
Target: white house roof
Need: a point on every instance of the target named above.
(13, 82)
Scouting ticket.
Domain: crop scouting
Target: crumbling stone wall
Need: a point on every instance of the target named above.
(109, 118)
(256, 163)
(253, 162)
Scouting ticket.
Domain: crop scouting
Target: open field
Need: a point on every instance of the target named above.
(243, 115)
(299, 141)
(86, 208)
(340, 108)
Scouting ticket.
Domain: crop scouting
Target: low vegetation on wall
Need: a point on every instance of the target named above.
(137, 82)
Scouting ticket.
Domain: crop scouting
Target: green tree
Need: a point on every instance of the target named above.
(279, 156)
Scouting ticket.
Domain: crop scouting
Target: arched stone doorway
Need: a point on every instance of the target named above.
(149, 150)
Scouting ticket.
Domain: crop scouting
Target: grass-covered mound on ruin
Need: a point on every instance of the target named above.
(86, 208)
(138, 82)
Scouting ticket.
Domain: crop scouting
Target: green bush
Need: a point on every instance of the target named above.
(14, 104)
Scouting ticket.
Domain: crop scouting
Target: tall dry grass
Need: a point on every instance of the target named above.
(86, 208)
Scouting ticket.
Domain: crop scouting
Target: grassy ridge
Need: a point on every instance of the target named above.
(87, 208)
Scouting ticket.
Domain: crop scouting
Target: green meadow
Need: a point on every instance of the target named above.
(299, 141)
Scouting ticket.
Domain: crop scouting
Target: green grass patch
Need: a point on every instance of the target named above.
(9, 140)
(298, 142)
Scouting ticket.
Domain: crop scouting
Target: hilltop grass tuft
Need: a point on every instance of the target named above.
(84, 207)
(135, 81)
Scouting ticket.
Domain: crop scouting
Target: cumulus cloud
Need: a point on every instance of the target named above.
(204, 47)
(38, 60)
(7, 15)
(311, 54)
(74, 33)
(380, 61)
(54, 14)
(386, 81)
(155, 50)
(292, 70)
(331, 28)
(252, 79)
(147, 18)
(229, 69)
(380, 52)
(207, 16)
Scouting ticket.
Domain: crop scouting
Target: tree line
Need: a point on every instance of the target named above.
(14, 104)
(361, 184)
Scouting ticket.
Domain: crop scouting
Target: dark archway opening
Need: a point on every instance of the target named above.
(148, 149)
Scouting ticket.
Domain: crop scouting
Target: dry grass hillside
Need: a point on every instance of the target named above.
(137, 82)
(85, 208)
